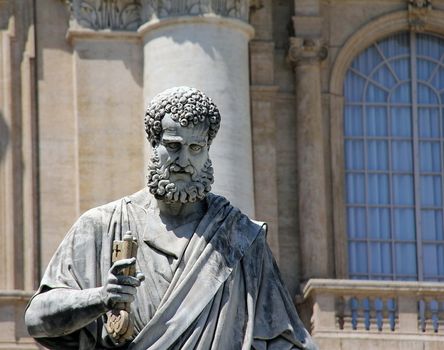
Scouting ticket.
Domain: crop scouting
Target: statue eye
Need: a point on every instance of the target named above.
(173, 145)
(196, 148)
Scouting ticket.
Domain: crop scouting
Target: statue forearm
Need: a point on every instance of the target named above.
(62, 311)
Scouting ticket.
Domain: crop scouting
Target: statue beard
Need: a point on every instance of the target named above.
(160, 185)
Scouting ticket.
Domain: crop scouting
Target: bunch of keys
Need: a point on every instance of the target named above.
(119, 324)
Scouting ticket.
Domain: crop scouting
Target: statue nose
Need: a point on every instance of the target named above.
(183, 161)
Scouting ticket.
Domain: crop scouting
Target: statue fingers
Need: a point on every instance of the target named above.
(128, 281)
(121, 264)
(121, 289)
(120, 298)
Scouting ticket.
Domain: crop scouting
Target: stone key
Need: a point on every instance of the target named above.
(119, 324)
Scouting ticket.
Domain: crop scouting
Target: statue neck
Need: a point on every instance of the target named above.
(182, 212)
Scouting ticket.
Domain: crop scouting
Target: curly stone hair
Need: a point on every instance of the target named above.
(186, 105)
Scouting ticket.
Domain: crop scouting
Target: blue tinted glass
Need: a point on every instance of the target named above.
(429, 46)
(367, 60)
(356, 222)
(376, 121)
(394, 45)
(402, 94)
(381, 258)
(353, 121)
(402, 156)
(426, 95)
(430, 156)
(401, 67)
(375, 94)
(357, 256)
(401, 121)
(355, 189)
(404, 224)
(403, 189)
(354, 154)
(437, 80)
(378, 189)
(424, 68)
(384, 76)
(431, 225)
(405, 258)
(379, 223)
(431, 191)
(377, 155)
(428, 122)
(354, 87)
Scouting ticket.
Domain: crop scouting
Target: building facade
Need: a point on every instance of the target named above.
(332, 132)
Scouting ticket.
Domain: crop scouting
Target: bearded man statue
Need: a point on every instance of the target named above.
(207, 278)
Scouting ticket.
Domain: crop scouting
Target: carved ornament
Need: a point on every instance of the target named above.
(307, 51)
(106, 14)
(418, 13)
(172, 8)
(130, 14)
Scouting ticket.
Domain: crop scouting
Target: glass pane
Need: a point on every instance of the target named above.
(438, 79)
(429, 46)
(402, 94)
(353, 121)
(355, 189)
(426, 95)
(431, 191)
(378, 189)
(375, 94)
(353, 87)
(376, 121)
(428, 122)
(405, 258)
(381, 258)
(379, 223)
(431, 225)
(394, 45)
(403, 189)
(357, 256)
(401, 121)
(384, 76)
(433, 260)
(356, 222)
(430, 156)
(424, 69)
(367, 60)
(401, 66)
(354, 155)
(377, 155)
(404, 224)
(402, 157)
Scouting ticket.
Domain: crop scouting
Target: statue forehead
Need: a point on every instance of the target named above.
(173, 128)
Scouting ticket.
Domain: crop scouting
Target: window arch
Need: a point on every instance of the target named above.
(394, 159)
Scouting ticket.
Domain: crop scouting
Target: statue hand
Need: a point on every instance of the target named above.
(120, 289)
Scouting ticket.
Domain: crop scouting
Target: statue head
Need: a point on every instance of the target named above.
(180, 124)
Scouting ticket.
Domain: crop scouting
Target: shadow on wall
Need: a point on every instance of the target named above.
(4, 137)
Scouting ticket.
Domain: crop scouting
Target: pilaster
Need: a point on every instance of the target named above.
(306, 55)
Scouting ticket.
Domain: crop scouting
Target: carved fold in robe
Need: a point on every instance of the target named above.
(217, 287)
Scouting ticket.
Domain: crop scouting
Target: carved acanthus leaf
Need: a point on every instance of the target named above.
(418, 12)
(171, 8)
(307, 51)
(106, 14)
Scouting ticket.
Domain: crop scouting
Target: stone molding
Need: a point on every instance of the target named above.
(307, 51)
(129, 15)
(418, 13)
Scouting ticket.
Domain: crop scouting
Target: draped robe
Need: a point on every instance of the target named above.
(217, 287)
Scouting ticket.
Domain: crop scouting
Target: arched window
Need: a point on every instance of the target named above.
(394, 159)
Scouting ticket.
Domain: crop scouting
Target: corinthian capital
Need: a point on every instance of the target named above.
(307, 51)
(173, 8)
(105, 14)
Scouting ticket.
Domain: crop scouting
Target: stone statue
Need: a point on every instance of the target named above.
(207, 278)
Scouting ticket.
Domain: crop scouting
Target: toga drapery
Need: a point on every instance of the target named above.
(215, 288)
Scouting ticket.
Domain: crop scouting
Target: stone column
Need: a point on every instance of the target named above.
(306, 56)
(204, 44)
